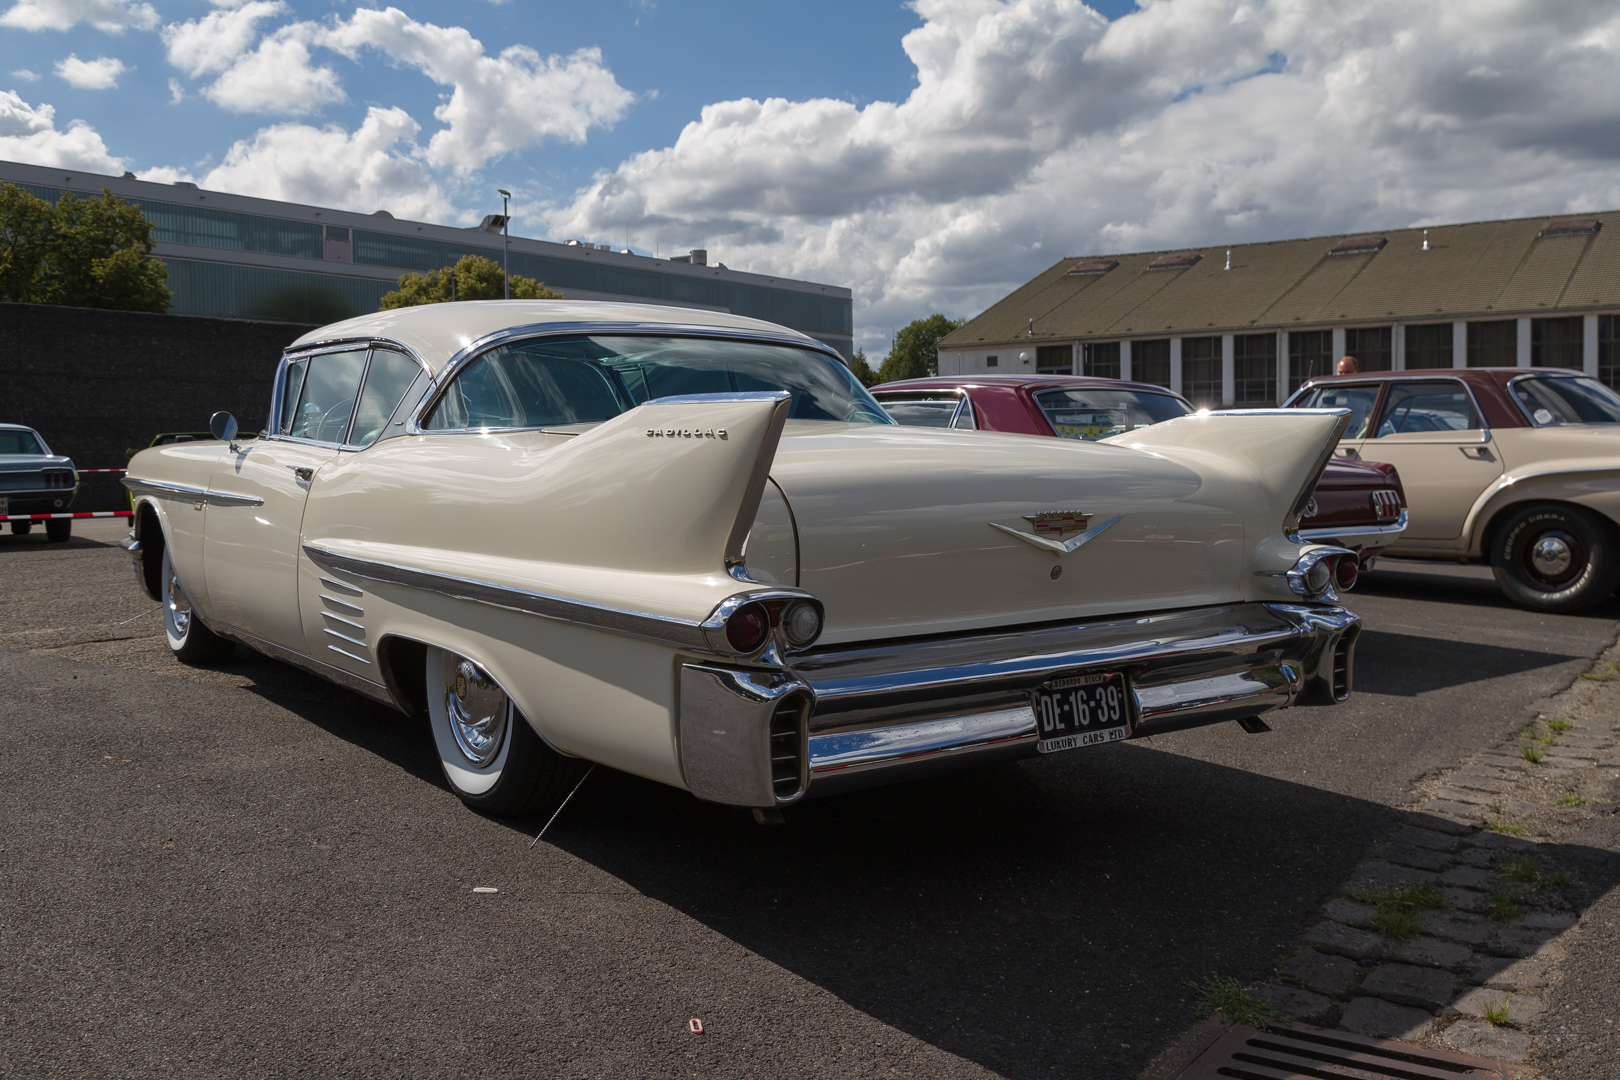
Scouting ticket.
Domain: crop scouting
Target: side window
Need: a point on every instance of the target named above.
(289, 394)
(1358, 399)
(387, 379)
(326, 400)
(1426, 406)
(514, 388)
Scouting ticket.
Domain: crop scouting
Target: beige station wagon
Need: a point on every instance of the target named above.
(1517, 467)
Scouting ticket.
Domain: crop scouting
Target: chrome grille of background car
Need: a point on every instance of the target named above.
(1387, 504)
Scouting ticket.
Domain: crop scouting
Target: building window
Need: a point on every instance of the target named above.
(1054, 360)
(1254, 359)
(1428, 346)
(1150, 362)
(1100, 359)
(1201, 370)
(1372, 346)
(992, 361)
(1493, 344)
(1608, 352)
(1310, 353)
(1556, 342)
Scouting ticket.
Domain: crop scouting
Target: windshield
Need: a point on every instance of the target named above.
(1567, 401)
(589, 378)
(19, 442)
(1096, 413)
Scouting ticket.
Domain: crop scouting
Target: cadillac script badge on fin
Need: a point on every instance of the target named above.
(1054, 524)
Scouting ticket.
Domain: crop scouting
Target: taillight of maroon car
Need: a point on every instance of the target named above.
(1386, 504)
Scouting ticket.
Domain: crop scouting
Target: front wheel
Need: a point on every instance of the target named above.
(189, 640)
(492, 758)
(1555, 558)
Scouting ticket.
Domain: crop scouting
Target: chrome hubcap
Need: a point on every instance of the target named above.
(177, 608)
(1551, 556)
(478, 710)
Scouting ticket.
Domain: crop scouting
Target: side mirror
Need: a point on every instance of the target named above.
(223, 425)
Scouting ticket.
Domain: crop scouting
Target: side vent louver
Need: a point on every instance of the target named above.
(1343, 655)
(788, 737)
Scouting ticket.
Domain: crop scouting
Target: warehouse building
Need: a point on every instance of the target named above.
(1244, 326)
(239, 257)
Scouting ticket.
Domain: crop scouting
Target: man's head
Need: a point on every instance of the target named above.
(1347, 366)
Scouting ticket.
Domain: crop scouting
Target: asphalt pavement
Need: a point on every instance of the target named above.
(246, 871)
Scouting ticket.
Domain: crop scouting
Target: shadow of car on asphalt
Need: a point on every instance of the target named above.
(1406, 665)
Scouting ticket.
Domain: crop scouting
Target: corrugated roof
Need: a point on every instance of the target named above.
(1480, 270)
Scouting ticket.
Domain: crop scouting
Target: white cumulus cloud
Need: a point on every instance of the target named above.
(497, 104)
(277, 77)
(374, 167)
(1038, 130)
(98, 74)
(25, 75)
(29, 134)
(214, 42)
(113, 16)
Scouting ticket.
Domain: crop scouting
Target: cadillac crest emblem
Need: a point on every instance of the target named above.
(1057, 522)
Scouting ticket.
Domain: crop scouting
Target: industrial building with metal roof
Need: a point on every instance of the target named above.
(240, 257)
(1246, 325)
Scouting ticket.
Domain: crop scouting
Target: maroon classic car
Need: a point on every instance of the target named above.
(1358, 504)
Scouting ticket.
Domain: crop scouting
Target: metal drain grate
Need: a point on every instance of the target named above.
(1299, 1053)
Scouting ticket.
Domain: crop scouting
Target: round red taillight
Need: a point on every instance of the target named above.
(1346, 571)
(748, 628)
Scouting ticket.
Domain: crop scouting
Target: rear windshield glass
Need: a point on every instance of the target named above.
(19, 442)
(1096, 413)
(1567, 401)
(589, 378)
(921, 412)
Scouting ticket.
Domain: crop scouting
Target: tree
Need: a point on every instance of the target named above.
(862, 370)
(94, 252)
(476, 278)
(916, 349)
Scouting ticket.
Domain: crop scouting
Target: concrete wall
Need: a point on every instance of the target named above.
(96, 383)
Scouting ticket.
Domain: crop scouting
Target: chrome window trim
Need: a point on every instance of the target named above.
(661, 628)
(164, 489)
(534, 331)
(1549, 373)
(1383, 401)
(371, 342)
(963, 401)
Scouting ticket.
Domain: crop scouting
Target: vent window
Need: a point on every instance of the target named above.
(1175, 261)
(1570, 226)
(1357, 245)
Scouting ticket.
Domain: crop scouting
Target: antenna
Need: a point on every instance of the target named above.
(1425, 239)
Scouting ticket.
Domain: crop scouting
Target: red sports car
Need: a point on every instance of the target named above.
(1358, 504)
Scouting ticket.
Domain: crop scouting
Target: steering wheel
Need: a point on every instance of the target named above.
(338, 421)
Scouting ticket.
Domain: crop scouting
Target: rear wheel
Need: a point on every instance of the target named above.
(1555, 558)
(492, 758)
(189, 640)
(21, 528)
(59, 529)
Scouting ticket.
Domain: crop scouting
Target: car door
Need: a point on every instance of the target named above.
(1431, 431)
(250, 550)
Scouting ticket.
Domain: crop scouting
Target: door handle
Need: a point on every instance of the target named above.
(1348, 452)
(302, 472)
(1478, 453)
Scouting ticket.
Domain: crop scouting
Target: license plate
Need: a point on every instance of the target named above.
(1081, 711)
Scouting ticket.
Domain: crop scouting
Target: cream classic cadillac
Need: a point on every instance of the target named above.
(691, 547)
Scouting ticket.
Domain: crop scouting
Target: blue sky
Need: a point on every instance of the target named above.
(930, 155)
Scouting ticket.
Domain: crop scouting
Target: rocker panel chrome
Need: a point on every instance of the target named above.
(163, 489)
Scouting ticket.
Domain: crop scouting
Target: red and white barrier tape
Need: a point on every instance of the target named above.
(83, 514)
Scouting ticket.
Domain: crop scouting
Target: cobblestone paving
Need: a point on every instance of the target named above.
(1451, 933)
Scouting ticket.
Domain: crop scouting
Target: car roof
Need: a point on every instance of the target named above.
(1501, 375)
(17, 427)
(437, 332)
(1033, 382)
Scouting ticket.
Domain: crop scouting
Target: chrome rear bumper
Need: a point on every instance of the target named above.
(1359, 536)
(873, 714)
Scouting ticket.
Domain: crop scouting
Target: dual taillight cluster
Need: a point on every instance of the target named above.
(1386, 504)
(58, 478)
(750, 626)
(1339, 571)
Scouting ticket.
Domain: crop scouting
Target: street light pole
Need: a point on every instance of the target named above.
(506, 242)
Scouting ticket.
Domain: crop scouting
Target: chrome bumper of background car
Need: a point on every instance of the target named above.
(1360, 536)
(867, 715)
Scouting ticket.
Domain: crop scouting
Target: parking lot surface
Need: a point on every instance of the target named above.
(246, 871)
